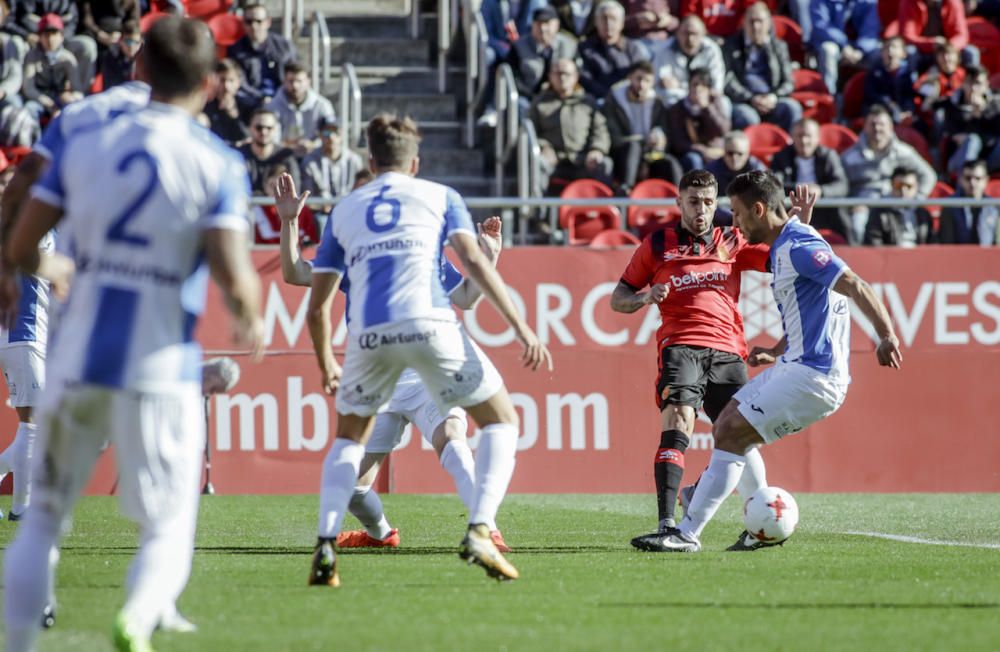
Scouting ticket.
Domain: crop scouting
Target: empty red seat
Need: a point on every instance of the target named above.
(766, 140)
(147, 21)
(582, 223)
(645, 219)
(227, 29)
(940, 189)
(205, 9)
(811, 92)
(854, 97)
(789, 31)
(914, 138)
(836, 137)
(614, 238)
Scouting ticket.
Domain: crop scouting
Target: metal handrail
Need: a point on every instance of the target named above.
(293, 14)
(447, 27)
(476, 42)
(414, 19)
(507, 123)
(350, 105)
(529, 174)
(319, 51)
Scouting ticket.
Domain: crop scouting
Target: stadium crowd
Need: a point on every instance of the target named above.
(855, 97)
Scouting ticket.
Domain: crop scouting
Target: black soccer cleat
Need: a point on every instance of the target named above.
(11, 516)
(666, 541)
(748, 543)
(48, 617)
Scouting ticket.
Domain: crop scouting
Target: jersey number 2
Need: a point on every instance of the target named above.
(118, 231)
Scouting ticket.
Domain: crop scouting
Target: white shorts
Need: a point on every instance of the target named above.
(159, 440)
(409, 404)
(453, 369)
(786, 398)
(24, 369)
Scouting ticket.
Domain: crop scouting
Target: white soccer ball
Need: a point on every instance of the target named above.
(770, 515)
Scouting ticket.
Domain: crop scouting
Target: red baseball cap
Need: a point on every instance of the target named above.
(51, 22)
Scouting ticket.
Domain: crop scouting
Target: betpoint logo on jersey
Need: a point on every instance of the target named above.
(692, 279)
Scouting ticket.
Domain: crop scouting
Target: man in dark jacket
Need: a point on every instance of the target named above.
(608, 55)
(697, 124)
(532, 55)
(262, 55)
(759, 78)
(900, 227)
(971, 224)
(806, 161)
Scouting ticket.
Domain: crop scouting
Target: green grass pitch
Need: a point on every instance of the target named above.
(582, 587)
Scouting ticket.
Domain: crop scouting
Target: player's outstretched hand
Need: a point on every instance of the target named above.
(657, 293)
(803, 201)
(888, 352)
(491, 237)
(760, 356)
(286, 202)
(535, 352)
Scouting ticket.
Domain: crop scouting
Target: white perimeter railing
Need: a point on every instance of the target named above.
(319, 51)
(447, 29)
(293, 18)
(476, 41)
(350, 106)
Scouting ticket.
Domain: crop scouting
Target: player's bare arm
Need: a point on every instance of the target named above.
(480, 270)
(468, 294)
(20, 248)
(227, 254)
(324, 287)
(855, 287)
(762, 356)
(625, 299)
(294, 269)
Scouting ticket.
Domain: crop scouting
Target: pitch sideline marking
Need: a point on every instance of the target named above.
(927, 542)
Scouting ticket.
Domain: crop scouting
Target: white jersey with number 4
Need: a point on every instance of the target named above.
(141, 280)
(389, 236)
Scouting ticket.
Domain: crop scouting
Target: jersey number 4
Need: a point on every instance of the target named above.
(118, 231)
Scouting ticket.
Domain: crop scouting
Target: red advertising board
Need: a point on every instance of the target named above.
(592, 426)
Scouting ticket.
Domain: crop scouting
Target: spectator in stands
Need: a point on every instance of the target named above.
(229, 111)
(890, 82)
(942, 80)
(971, 224)
(736, 159)
(924, 23)
(262, 55)
(688, 50)
(118, 60)
(697, 124)
(507, 21)
(12, 51)
(722, 18)
(24, 22)
(869, 164)
(759, 78)
(104, 20)
(805, 161)
(331, 170)
(299, 109)
(971, 119)
(572, 132)
(267, 222)
(576, 17)
(51, 75)
(637, 123)
(650, 21)
(900, 227)
(263, 154)
(844, 32)
(364, 176)
(608, 55)
(532, 55)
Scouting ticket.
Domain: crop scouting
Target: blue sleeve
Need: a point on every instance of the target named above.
(329, 255)
(451, 278)
(814, 259)
(52, 142)
(49, 188)
(456, 215)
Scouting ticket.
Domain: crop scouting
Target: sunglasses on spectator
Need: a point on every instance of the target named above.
(263, 127)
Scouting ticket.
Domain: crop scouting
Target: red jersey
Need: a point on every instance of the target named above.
(703, 275)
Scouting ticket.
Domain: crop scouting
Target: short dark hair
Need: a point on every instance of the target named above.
(262, 111)
(227, 65)
(758, 186)
(975, 163)
(295, 67)
(699, 179)
(644, 66)
(878, 109)
(700, 76)
(177, 56)
(392, 141)
(904, 171)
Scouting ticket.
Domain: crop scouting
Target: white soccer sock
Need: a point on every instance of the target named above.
(494, 468)
(716, 483)
(456, 458)
(340, 473)
(27, 579)
(754, 474)
(366, 505)
(24, 446)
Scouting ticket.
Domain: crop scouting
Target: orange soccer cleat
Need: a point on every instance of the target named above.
(498, 541)
(361, 539)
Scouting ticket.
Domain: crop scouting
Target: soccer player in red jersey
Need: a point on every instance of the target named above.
(693, 273)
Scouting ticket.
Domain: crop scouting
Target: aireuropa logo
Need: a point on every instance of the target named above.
(760, 313)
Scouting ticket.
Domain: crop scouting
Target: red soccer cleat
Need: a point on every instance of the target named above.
(498, 541)
(361, 539)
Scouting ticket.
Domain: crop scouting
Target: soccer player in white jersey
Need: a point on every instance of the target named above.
(410, 402)
(146, 199)
(22, 358)
(388, 237)
(809, 381)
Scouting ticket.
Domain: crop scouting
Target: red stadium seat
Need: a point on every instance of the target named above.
(227, 29)
(993, 188)
(205, 9)
(766, 140)
(15, 155)
(614, 238)
(789, 31)
(836, 137)
(911, 136)
(811, 92)
(147, 21)
(645, 219)
(941, 189)
(832, 237)
(986, 36)
(887, 12)
(582, 223)
(995, 81)
(854, 97)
